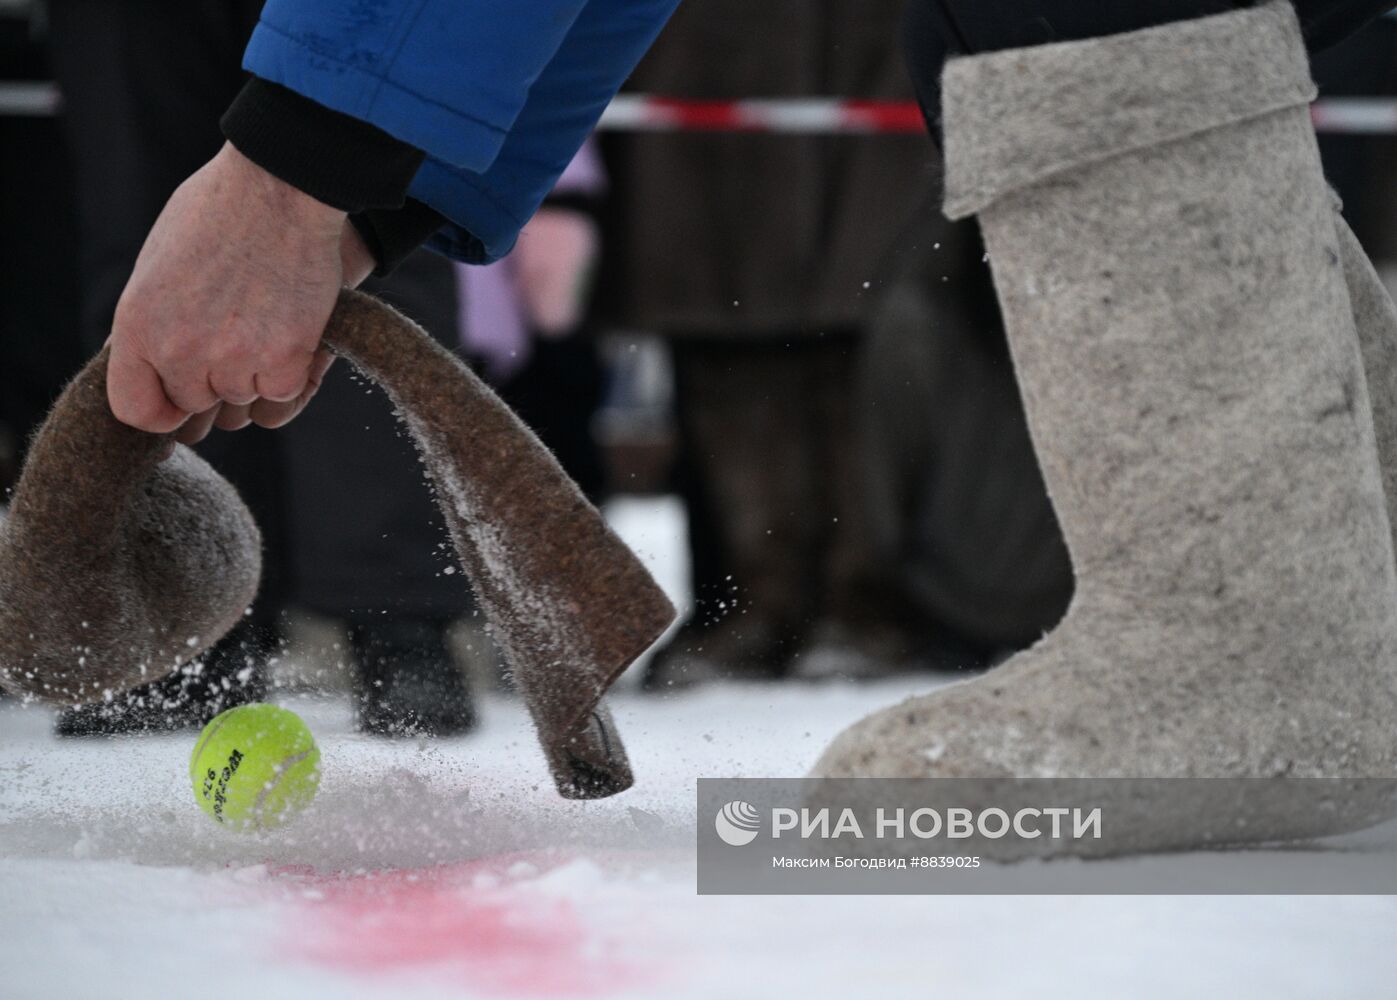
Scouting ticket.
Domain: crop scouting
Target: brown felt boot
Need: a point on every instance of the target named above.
(116, 567)
(569, 604)
(1169, 268)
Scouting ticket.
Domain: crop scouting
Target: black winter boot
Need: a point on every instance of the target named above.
(232, 673)
(408, 684)
(740, 648)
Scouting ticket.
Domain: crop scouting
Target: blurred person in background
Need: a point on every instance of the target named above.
(348, 526)
(525, 321)
(759, 257)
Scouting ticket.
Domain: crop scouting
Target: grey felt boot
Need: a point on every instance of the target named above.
(1169, 267)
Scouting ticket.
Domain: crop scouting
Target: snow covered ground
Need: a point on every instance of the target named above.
(451, 869)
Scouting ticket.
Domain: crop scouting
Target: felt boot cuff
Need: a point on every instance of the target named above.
(1021, 116)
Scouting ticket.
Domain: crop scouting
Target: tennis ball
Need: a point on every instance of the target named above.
(254, 767)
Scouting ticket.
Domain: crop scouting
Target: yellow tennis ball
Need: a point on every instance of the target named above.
(254, 767)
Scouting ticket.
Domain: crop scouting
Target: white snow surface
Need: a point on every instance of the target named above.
(451, 869)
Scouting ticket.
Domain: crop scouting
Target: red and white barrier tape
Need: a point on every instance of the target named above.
(832, 116)
(798, 115)
(788, 116)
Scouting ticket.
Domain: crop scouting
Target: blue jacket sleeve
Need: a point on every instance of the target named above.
(491, 206)
(500, 94)
(446, 76)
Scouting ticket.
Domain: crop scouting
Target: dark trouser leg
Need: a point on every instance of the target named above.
(836, 499)
(39, 349)
(365, 535)
(382, 562)
(861, 630)
(408, 683)
(144, 83)
(749, 415)
(557, 394)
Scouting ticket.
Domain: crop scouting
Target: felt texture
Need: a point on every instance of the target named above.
(1170, 274)
(1108, 96)
(570, 605)
(116, 568)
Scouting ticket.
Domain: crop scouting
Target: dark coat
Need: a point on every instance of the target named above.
(764, 233)
(364, 535)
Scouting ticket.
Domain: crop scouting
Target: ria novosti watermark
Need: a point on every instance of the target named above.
(1040, 835)
(737, 823)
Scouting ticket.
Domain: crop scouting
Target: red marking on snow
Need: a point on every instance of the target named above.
(494, 935)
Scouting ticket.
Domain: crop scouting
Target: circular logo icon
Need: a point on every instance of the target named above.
(737, 823)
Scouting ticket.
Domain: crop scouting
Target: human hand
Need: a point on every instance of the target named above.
(220, 323)
(357, 264)
(356, 260)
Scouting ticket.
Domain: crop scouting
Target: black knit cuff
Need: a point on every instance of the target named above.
(334, 158)
(392, 234)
